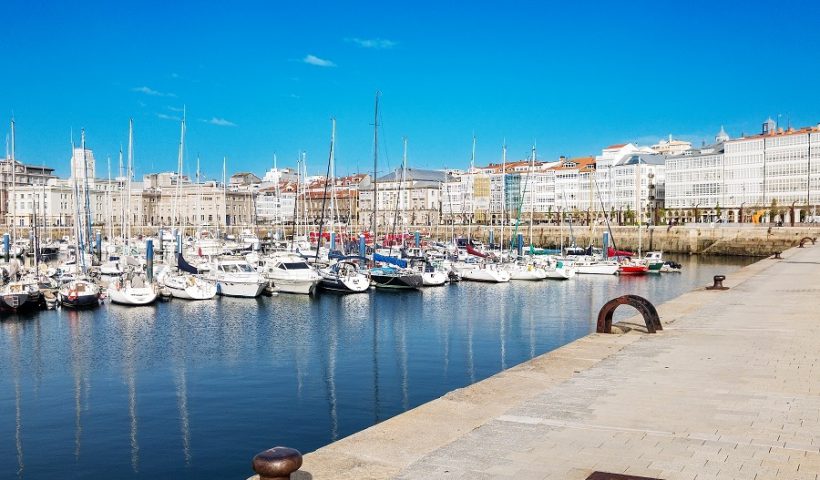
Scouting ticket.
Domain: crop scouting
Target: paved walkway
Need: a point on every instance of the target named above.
(729, 390)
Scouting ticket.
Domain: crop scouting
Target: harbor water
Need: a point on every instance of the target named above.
(194, 389)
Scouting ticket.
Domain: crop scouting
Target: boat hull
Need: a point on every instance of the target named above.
(292, 285)
(342, 284)
(399, 282)
(602, 269)
(17, 302)
(485, 275)
(80, 301)
(633, 270)
(191, 290)
(433, 279)
(240, 289)
(132, 296)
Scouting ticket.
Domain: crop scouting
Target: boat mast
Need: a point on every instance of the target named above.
(86, 194)
(503, 191)
(130, 173)
(13, 182)
(332, 175)
(375, 167)
(472, 195)
(198, 198)
(122, 199)
(108, 202)
(80, 258)
(402, 192)
(179, 174)
(532, 192)
(225, 192)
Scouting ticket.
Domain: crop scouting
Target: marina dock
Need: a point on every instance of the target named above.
(729, 389)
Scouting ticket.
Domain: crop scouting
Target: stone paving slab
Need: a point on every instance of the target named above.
(730, 389)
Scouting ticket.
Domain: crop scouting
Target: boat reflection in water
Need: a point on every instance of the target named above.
(194, 389)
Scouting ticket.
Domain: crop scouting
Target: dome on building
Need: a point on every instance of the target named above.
(722, 136)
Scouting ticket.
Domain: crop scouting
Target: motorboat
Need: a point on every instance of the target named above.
(188, 286)
(632, 268)
(132, 291)
(290, 274)
(248, 239)
(654, 261)
(344, 276)
(237, 278)
(79, 293)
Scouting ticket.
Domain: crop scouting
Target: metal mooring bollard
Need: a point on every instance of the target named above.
(777, 256)
(806, 239)
(277, 463)
(642, 305)
(718, 285)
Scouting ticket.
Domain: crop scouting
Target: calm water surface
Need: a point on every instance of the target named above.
(195, 389)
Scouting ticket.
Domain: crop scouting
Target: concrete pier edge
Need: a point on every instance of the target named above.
(387, 449)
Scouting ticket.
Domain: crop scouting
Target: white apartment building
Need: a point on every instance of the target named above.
(761, 177)
(694, 182)
(276, 203)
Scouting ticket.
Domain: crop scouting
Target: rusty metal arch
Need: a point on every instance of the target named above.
(804, 239)
(642, 305)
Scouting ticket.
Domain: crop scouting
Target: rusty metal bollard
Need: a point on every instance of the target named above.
(642, 305)
(277, 463)
(777, 256)
(718, 285)
(806, 239)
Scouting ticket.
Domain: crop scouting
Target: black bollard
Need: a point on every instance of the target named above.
(718, 283)
(277, 463)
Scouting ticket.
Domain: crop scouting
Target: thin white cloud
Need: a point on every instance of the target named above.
(375, 43)
(174, 75)
(168, 117)
(220, 122)
(150, 91)
(175, 109)
(319, 62)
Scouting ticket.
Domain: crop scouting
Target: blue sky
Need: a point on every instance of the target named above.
(259, 78)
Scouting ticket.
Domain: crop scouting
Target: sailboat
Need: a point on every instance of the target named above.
(132, 291)
(80, 292)
(184, 283)
(393, 272)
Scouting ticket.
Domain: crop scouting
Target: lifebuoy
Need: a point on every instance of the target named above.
(72, 295)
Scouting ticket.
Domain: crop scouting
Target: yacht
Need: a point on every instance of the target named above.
(237, 278)
(290, 274)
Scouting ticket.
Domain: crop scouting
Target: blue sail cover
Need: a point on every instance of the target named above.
(185, 266)
(391, 260)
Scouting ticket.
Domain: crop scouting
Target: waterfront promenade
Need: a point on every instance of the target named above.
(729, 389)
